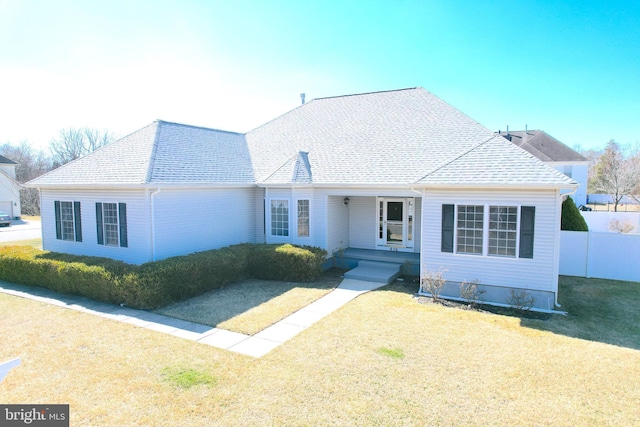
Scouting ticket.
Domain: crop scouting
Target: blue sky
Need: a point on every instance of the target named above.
(571, 68)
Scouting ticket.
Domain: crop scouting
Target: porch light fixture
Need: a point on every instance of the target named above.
(346, 201)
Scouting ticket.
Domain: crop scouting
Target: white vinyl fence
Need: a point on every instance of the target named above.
(601, 255)
(608, 221)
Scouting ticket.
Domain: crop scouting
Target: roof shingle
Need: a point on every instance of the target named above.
(401, 137)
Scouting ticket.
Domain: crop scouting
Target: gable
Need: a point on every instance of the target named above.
(496, 162)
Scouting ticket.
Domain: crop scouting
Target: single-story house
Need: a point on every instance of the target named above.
(557, 155)
(396, 175)
(9, 188)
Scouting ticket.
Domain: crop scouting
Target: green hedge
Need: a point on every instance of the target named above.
(158, 283)
(287, 262)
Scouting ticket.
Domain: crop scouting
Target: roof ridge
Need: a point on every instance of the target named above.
(281, 166)
(367, 93)
(448, 162)
(154, 151)
(329, 97)
(198, 127)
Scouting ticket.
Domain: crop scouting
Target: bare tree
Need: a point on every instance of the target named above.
(30, 165)
(592, 156)
(74, 143)
(614, 174)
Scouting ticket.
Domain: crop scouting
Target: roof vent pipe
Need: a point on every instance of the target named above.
(302, 96)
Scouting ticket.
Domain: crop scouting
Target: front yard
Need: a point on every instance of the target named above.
(383, 359)
(251, 305)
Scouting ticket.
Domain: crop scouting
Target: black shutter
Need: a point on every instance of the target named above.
(448, 220)
(122, 219)
(56, 208)
(527, 226)
(99, 227)
(78, 221)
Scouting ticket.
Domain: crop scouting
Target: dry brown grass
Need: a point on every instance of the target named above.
(382, 359)
(251, 305)
(36, 243)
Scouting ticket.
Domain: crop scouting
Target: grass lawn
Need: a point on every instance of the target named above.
(36, 243)
(382, 359)
(252, 305)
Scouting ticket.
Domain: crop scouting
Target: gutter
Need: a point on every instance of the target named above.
(139, 186)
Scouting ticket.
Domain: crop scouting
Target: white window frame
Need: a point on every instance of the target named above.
(471, 230)
(486, 230)
(504, 232)
(69, 237)
(108, 228)
(279, 231)
(307, 218)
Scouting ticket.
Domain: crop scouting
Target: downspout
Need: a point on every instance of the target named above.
(153, 223)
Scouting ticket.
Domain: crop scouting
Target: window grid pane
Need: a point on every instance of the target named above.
(470, 224)
(303, 218)
(503, 226)
(110, 220)
(280, 218)
(66, 215)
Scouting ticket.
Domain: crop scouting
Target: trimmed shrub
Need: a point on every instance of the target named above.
(96, 278)
(572, 219)
(181, 277)
(286, 262)
(158, 283)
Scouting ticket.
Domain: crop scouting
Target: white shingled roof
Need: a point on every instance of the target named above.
(161, 153)
(400, 137)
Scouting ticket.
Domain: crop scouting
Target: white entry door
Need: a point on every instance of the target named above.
(395, 223)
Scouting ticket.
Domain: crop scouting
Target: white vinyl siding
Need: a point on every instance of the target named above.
(337, 224)
(362, 222)
(259, 207)
(539, 272)
(193, 220)
(138, 222)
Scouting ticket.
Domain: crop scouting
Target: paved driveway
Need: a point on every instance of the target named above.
(21, 230)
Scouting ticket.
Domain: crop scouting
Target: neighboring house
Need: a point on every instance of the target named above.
(9, 188)
(557, 155)
(397, 173)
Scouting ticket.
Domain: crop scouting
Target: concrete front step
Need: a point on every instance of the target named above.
(372, 271)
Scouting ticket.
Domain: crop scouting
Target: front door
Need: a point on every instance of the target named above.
(395, 223)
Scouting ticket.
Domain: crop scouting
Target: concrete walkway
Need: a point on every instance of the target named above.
(251, 345)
